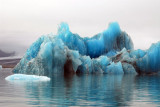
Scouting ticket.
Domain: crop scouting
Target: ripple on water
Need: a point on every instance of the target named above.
(82, 90)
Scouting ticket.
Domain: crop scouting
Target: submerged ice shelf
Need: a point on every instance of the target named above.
(110, 52)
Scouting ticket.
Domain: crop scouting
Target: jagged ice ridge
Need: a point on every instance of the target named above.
(109, 52)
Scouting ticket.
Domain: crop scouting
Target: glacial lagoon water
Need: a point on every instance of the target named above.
(81, 90)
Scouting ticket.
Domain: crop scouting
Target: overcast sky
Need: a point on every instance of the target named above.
(23, 21)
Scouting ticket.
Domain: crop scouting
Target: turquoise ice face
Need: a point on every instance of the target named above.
(110, 51)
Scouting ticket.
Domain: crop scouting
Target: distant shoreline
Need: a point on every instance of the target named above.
(9, 62)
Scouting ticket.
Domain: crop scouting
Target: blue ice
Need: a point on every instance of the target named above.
(24, 77)
(150, 62)
(110, 51)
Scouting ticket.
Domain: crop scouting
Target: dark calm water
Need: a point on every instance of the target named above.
(82, 90)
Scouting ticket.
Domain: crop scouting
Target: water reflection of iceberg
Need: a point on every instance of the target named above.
(92, 90)
(151, 84)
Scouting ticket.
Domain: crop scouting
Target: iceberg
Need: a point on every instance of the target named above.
(150, 60)
(108, 52)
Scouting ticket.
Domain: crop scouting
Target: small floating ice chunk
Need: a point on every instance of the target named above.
(0, 67)
(24, 77)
